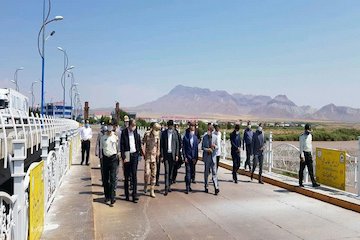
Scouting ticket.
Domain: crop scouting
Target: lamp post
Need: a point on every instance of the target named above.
(16, 78)
(32, 94)
(73, 85)
(42, 50)
(63, 78)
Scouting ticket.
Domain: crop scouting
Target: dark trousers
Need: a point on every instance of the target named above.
(131, 172)
(175, 172)
(309, 163)
(236, 164)
(217, 162)
(189, 173)
(193, 173)
(158, 164)
(169, 164)
(85, 148)
(248, 155)
(102, 169)
(110, 165)
(258, 158)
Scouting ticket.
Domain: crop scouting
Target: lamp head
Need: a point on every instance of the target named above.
(58, 18)
(71, 67)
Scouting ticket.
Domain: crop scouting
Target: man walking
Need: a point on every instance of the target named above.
(247, 140)
(99, 150)
(306, 156)
(180, 158)
(151, 153)
(258, 146)
(190, 148)
(235, 140)
(109, 145)
(130, 152)
(85, 136)
(217, 138)
(169, 153)
(209, 159)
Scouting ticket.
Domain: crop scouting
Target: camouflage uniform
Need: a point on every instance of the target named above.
(151, 143)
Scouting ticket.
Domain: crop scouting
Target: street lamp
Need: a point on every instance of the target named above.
(63, 77)
(16, 78)
(63, 86)
(32, 94)
(42, 51)
(73, 86)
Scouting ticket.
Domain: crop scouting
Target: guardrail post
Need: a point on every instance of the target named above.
(57, 142)
(270, 152)
(44, 146)
(358, 171)
(63, 137)
(18, 175)
(223, 147)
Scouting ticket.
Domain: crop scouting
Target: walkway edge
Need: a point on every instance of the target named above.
(303, 191)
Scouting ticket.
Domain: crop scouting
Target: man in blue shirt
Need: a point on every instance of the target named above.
(190, 148)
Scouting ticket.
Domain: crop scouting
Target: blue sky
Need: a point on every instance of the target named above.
(136, 51)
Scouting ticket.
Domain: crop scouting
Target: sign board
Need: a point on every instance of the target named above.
(36, 202)
(331, 167)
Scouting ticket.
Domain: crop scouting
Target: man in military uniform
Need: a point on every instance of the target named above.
(151, 153)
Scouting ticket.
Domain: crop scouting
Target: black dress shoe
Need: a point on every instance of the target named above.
(190, 189)
(217, 191)
(186, 191)
(206, 190)
(193, 181)
(301, 185)
(127, 199)
(261, 182)
(157, 184)
(113, 201)
(107, 200)
(169, 190)
(166, 193)
(236, 181)
(316, 185)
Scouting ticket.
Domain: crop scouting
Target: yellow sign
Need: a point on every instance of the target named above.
(36, 202)
(331, 167)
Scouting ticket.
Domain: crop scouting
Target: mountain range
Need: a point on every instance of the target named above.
(194, 101)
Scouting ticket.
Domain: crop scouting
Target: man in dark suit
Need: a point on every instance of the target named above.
(169, 153)
(130, 146)
(235, 139)
(180, 161)
(191, 152)
(258, 147)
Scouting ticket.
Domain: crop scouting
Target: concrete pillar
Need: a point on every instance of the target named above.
(18, 175)
(358, 171)
(270, 154)
(44, 156)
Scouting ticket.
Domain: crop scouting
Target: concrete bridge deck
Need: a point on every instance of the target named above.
(246, 210)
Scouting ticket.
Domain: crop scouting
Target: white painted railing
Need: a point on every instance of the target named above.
(18, 134)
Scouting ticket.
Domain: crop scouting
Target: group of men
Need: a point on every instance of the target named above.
(166, 145)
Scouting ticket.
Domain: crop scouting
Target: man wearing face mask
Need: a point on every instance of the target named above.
(169, 148)
(99, 149)
(247, 140)
(235, 139)
(109, 146)
(306, 156)
(130, 152)
(258, 146)
(85, 136)
(190, 148)
(209, 159)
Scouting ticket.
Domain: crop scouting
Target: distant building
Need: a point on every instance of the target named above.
(56, 110)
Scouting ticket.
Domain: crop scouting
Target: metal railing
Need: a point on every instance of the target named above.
(18, 134)
(284, 159)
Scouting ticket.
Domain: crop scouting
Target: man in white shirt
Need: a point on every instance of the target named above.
(109, 146)
(306, 156)
(217, 138)
(85, 136)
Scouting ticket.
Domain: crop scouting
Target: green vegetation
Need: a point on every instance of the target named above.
(339, 134)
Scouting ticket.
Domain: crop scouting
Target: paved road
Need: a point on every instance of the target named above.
(244, 211)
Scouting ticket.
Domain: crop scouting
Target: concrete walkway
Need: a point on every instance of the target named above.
(246, 210)
(71, 213)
